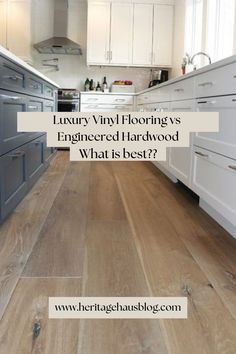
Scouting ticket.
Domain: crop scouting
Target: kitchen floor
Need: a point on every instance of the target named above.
(114, 229)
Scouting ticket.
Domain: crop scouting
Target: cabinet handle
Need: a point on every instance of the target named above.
(14, 98)
(111, 55)
(13, 77)
(36, 87)
(234, 100)
(107, 55)
(92, 106)
(232, 167)
(16, 154)
(201, 154)
(205, 102)
(179, 90)
(119, 100)
(35, 108)
(208, 83)
(153, 57)
(118, 107)
(92, 99)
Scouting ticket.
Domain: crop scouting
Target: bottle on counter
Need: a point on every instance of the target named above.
(98, 88)
(91, 85)
(86, 85)
(104, 84)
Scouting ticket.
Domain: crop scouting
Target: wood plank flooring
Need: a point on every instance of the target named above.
(114, 229)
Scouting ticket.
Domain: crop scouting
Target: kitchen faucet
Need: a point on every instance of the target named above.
(199, 53)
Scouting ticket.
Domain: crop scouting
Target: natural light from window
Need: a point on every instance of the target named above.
(210, 27)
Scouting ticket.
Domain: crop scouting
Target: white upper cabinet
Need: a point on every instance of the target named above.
(3, 23)
(98, 35)
(18, 28)
(121, 33)
(142, 38)
(163, 35)
(15, 29)
(126, 33)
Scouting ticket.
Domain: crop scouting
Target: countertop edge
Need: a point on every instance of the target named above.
(8, 55)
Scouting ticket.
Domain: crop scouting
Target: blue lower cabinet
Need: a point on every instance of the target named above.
(13, 180)
(47, 151)
(35, 160)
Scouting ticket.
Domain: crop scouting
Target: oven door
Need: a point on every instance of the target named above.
(68, 105)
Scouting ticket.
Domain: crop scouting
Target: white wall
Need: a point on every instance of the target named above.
(73, 70)
(178, 40)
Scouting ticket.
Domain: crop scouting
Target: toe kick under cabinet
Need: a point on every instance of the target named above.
(23, 155)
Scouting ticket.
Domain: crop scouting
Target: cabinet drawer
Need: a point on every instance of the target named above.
(105, 108)
(182, 90)
(48, 106)
(107, 99)
(34, 86)
(224, 141)
(13, 180)
(48, 91)
(10, 104)
(35, 105)
(11, 76)
(214, 178)
(221, 81)
(34, 160)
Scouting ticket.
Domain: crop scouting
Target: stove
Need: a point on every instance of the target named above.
(68, 100)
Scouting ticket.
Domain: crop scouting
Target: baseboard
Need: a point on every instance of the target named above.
(165, 171)
(227, 225)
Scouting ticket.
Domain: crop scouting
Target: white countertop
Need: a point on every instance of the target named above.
(26, 66)
(107, 93)
(202, 70)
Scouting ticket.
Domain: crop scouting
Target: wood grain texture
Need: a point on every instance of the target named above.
(112, 268)
(20, 231)
(124, 230)
(29, 305)
(60, 247)
(173, 271)
(215, 257)
(105, 202)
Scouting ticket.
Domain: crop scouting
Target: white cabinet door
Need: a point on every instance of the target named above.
(3, 23)
(214, 178)
(18, 28)
(163, 35)
(142, 34)
(121, 33)
(180, 158)
(98, 35)
(224, 141)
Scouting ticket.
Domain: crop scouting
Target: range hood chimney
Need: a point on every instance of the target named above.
(59, 43)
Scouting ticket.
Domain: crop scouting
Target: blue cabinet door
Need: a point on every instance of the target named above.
(13, 180)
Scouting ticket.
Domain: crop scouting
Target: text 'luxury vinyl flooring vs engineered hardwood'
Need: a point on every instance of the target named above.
(114, 229)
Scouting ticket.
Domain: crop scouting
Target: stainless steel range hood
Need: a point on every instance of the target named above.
(59, 43)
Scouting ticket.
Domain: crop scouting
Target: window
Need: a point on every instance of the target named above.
(210, 27)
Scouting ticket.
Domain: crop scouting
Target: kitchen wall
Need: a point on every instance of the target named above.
(178, 40)
(73, 70)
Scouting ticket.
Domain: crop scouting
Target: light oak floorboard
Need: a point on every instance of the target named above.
(29, 305)
(112, 268)
(216, 258)
(172, 271)
(105, 203)
(20, 231)
(59, 250)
